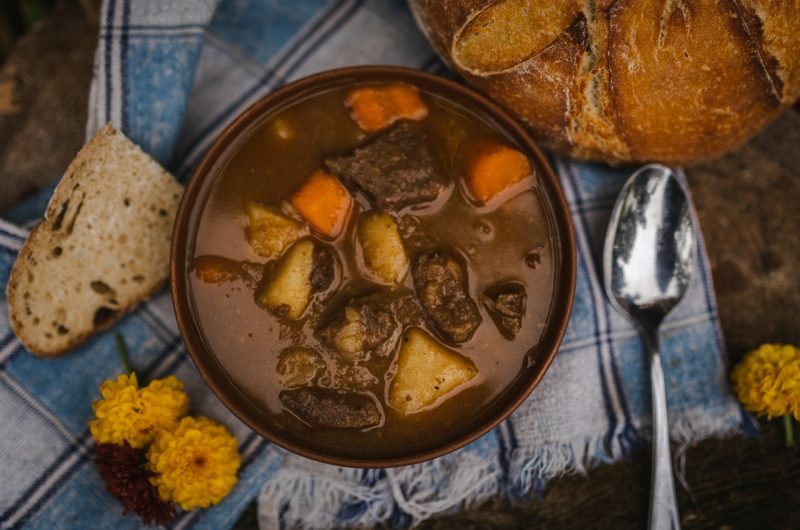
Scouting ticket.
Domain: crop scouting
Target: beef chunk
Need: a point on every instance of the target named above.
(358, 328)
(406, 310)
(440, 282)
(395, 170)
(298, 366)
(323, 407)
(322, 269)
(507, 307)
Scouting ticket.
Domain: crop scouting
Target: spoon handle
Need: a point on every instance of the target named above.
(663, 506)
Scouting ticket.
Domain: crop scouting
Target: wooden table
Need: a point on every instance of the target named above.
(749, 208)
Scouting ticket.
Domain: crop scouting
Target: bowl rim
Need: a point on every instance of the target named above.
(561, 304)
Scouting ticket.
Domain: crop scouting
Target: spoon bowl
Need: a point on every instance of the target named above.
(647, 266)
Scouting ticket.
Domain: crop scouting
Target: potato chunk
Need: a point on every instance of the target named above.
(288, 292)
(383, 247)
(268, 231)
(426, 372)
(298, 366)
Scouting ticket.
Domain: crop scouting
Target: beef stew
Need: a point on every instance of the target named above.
(366, 295)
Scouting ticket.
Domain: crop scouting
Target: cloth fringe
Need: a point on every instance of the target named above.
(295, 497)
(307, 495)
(551, 460)
(696, 424)
(581, 454)
(310, 496)
(432, 488)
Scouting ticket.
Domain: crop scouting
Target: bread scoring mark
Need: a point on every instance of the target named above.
(754, 29)
(671, 7)
(592, 44)
(589, 121)
(614, 10)
(579, 32)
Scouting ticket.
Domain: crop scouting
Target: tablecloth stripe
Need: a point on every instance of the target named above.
(309, 38)
(616, 408)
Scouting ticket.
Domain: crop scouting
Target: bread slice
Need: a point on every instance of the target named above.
(102, 247)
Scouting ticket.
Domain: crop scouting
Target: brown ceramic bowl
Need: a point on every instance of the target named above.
(191, 207)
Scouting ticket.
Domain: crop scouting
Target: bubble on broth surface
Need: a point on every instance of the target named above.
(533, 259)
(484, 229)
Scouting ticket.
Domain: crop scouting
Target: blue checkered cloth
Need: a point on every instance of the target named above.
(171, 75)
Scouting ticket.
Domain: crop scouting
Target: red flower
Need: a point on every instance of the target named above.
(122, 469)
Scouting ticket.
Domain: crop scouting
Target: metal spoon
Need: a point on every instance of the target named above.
(647, 262)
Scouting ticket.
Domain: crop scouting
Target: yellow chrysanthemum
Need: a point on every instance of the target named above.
(127, 412)
(195, 464)
(767, 381)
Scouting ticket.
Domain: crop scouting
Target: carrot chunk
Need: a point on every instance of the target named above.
(216, 269)
(495, 169)
(374, 108)
(323, 202)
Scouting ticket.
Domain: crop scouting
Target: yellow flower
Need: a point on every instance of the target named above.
(195, 464)
(767, 381)
(127, 412)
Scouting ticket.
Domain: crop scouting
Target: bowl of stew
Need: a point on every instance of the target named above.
(373, 266)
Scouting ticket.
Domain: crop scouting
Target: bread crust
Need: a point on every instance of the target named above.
(679, 81)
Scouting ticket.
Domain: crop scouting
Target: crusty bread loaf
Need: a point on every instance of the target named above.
(102, 247)
(677, 81)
